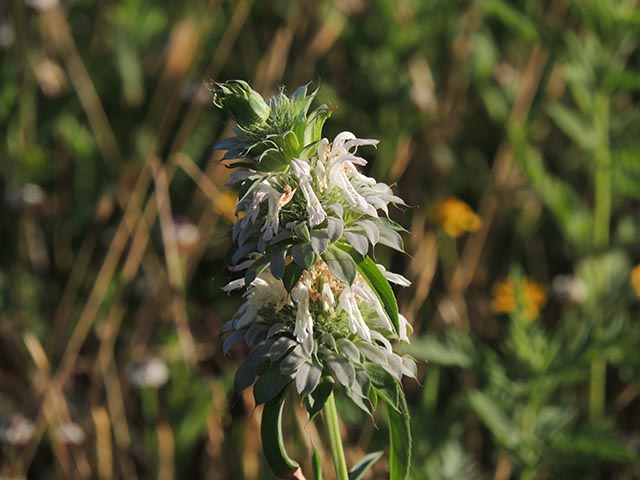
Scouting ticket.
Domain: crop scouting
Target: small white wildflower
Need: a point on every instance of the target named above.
(570, 288)
(264, 291)
(152, 373)
(357, 325)
(302, 171)
(304, 322)
(341, 169)
(70, 433)
(363, 290)
(187, 235)
(272, 221)
(405, 328)
(327, 297)
(32, 195)
(16, 430)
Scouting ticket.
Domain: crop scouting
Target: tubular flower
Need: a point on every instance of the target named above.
(321, 319)
(528, 296)
(317, 311)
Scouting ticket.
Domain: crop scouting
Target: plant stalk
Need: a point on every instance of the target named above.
(602, 219)
(330, 414)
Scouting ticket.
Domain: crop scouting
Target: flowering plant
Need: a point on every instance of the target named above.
(318, 312)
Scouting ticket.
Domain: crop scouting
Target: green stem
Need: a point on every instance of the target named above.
(602, 218)
(330, 414)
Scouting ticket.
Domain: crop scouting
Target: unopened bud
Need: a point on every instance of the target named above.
(238, 99)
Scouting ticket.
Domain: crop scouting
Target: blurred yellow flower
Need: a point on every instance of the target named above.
(455, 217)
(533, 298)
(635, 279)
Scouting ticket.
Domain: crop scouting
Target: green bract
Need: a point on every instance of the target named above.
(318, 312)
(269, 134)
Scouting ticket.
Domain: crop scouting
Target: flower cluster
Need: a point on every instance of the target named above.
(316, 306)
(455, 217)
(513, 294)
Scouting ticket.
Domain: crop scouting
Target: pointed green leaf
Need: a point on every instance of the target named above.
(303, 254)
(391, 238)
(272, 442)
(245, 375)
(399, 439)
(269, 385)
(364, 464)
(358, 241)
(320, 240)
(316, 399)
(335, 226)
(341, 264)
(277, 261)
(292, 273)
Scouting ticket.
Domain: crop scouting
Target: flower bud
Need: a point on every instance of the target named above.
(238, 99)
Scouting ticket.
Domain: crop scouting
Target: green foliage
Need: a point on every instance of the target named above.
(272, 440)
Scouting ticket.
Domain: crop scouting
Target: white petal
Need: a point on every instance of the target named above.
(304, 322)
(359, 142)
(394, 277)
(357, 324)
(302, 171)
(371, 299)
(341, 139)
(233, 285)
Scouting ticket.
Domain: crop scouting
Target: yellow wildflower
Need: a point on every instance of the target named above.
(635, 279)
(533, 298)
(455, 217)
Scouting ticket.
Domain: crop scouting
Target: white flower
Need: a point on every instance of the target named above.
(250, 206)
(328, 300)
(16, 430)
(405, 328)
(272, 221)
(380, 195)
(70, 433)
(263, 292)
(302, 171)
(368, 297)
(357, 325)
(152, 373)
(304, 322)
(341, 164)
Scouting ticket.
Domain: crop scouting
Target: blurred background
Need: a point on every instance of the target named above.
(512, 129)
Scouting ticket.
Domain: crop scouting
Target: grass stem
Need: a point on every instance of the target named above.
(602, 219)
